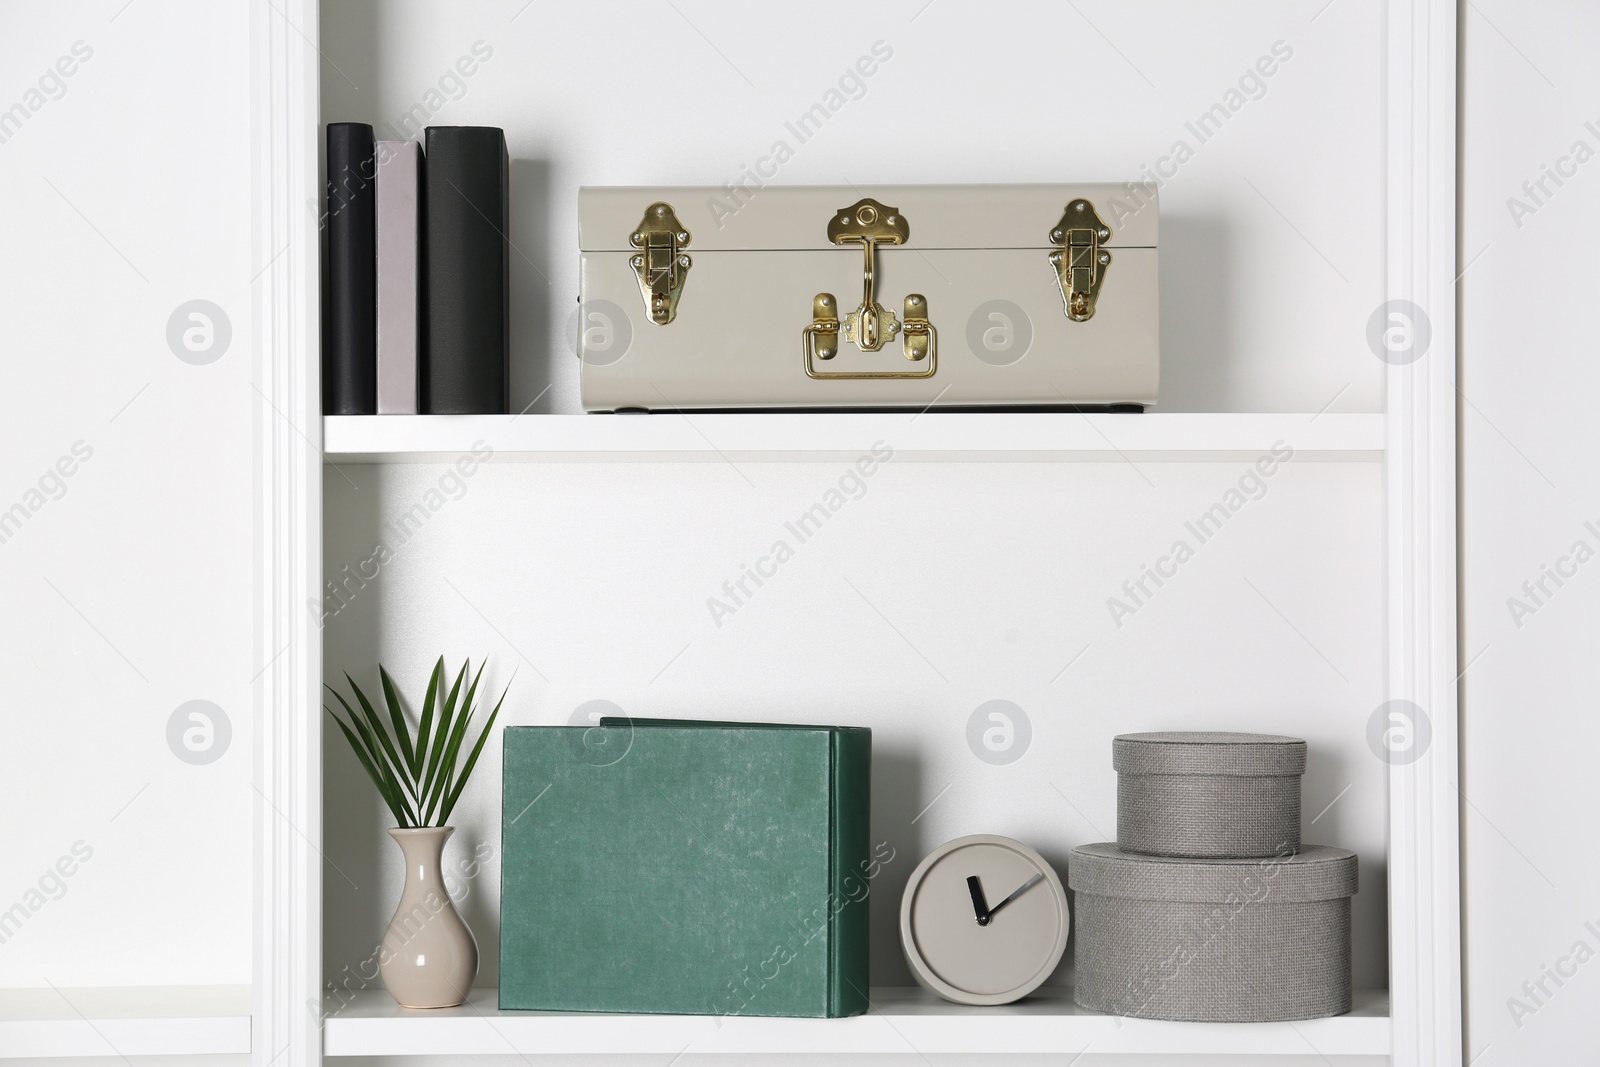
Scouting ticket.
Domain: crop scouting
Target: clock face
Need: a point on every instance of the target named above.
(984, 920)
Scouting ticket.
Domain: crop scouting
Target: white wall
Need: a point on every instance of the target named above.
(126, 591)
(590, 582)
(1529, 487)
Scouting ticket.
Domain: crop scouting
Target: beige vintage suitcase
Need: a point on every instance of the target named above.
(955, 296)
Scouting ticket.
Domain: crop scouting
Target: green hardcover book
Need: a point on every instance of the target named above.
(656, 865)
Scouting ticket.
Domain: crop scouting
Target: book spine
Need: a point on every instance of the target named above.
(349, 342)
(466, 221)
(851, 872)
(399, 285)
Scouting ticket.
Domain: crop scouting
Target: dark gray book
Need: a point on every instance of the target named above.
(349, 314)
(466, 220)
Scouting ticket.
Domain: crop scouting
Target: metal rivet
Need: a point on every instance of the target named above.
(682, 237)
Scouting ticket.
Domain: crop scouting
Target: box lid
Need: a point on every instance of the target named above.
(626, 721)
(783, 217)
(1316, 872)
(1209, 752)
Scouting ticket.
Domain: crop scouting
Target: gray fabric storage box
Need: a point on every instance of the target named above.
(1222, 940)
(1208, 793)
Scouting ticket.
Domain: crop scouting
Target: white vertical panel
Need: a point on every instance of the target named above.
(1424, 916)
(288, 480)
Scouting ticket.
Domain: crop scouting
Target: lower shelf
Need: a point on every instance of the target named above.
(902, 1020)
(123, 1022)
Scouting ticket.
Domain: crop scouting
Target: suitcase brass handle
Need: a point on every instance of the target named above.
(870, 326)
(819, 340)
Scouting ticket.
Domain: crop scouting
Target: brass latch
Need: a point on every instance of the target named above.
(661, 264)
(1082, 261)
(870, 326)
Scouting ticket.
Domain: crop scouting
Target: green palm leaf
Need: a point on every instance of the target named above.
(375, 725)
(390, 779)
(442, 763)
(472, 761)
(398, 716)
(386, 787)
(427, 706)
(442, 729)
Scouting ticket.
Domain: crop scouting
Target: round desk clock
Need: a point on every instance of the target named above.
(984, 920)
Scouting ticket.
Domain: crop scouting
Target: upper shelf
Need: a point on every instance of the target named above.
(810, 436)
(902, 1021)
(123, 1022)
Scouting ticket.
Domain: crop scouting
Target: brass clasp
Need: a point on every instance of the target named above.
(661, 264)
(870, 223)
(1082, 259)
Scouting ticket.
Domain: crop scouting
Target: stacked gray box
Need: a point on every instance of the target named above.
(1208, 908)
(1208, 794)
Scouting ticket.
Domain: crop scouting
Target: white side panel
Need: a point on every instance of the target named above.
(1416, 727)
(288, 813)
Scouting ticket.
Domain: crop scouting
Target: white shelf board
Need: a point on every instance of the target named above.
(125, 1021)
(806, 436)
(902, 1020)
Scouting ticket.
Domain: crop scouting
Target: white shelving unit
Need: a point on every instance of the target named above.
(809, 437)
(1408, 641)
(131, 1021)
(903, 1020)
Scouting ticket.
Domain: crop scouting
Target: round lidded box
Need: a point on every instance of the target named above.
(1209, 794)
(1222, 940)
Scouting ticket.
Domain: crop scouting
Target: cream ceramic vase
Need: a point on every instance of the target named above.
(428, 957)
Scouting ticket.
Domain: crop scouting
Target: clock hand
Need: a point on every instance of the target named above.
(1014, 895)
(980, 906)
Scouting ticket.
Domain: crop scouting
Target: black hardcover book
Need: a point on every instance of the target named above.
(349, 314)
(466, 221)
